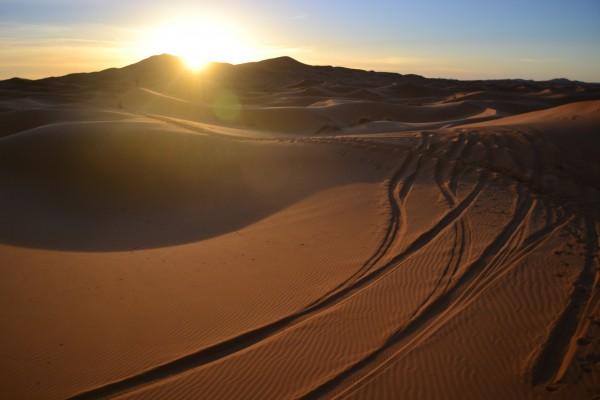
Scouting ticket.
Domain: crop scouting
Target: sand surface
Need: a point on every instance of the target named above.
(276, 230)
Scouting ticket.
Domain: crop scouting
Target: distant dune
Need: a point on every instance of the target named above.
(277, 230)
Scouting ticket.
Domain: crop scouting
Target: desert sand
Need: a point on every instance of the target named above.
(277, 230)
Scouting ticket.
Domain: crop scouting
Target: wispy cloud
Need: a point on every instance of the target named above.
(300, 16)
(36, 50)
(400, 60)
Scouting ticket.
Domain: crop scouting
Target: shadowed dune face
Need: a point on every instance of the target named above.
(128, 185)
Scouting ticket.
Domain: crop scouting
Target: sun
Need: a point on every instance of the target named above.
(199, 41)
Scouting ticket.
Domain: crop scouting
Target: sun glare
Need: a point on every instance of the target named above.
(199, 41)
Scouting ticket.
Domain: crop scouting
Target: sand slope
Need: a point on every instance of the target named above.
(339, 233)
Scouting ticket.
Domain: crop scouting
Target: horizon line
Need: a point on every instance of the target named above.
(306, 64)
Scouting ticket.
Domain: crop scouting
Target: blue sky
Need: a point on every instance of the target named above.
(465, 39)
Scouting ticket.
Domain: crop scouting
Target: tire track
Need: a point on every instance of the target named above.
(558, 351)
(463, 229)
(465, 151)
(249, 338)
(391, 231)
(460, 240)
(510, 245)
(517, 239)
(432, 316)
(449, 310)
(526, 247)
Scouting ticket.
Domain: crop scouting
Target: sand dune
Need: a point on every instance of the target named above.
(143, 183)
(280, 230)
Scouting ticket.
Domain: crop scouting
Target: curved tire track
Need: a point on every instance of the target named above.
(235, 344)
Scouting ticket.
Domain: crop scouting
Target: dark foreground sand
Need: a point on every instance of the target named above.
(277, 230)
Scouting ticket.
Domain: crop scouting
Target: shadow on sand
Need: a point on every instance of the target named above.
(111, 187)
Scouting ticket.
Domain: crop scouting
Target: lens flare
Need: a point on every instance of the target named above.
(198, 41)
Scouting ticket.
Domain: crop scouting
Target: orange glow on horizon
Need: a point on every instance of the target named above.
(198, 41)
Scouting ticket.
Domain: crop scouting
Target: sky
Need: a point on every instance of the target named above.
(464, 39)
